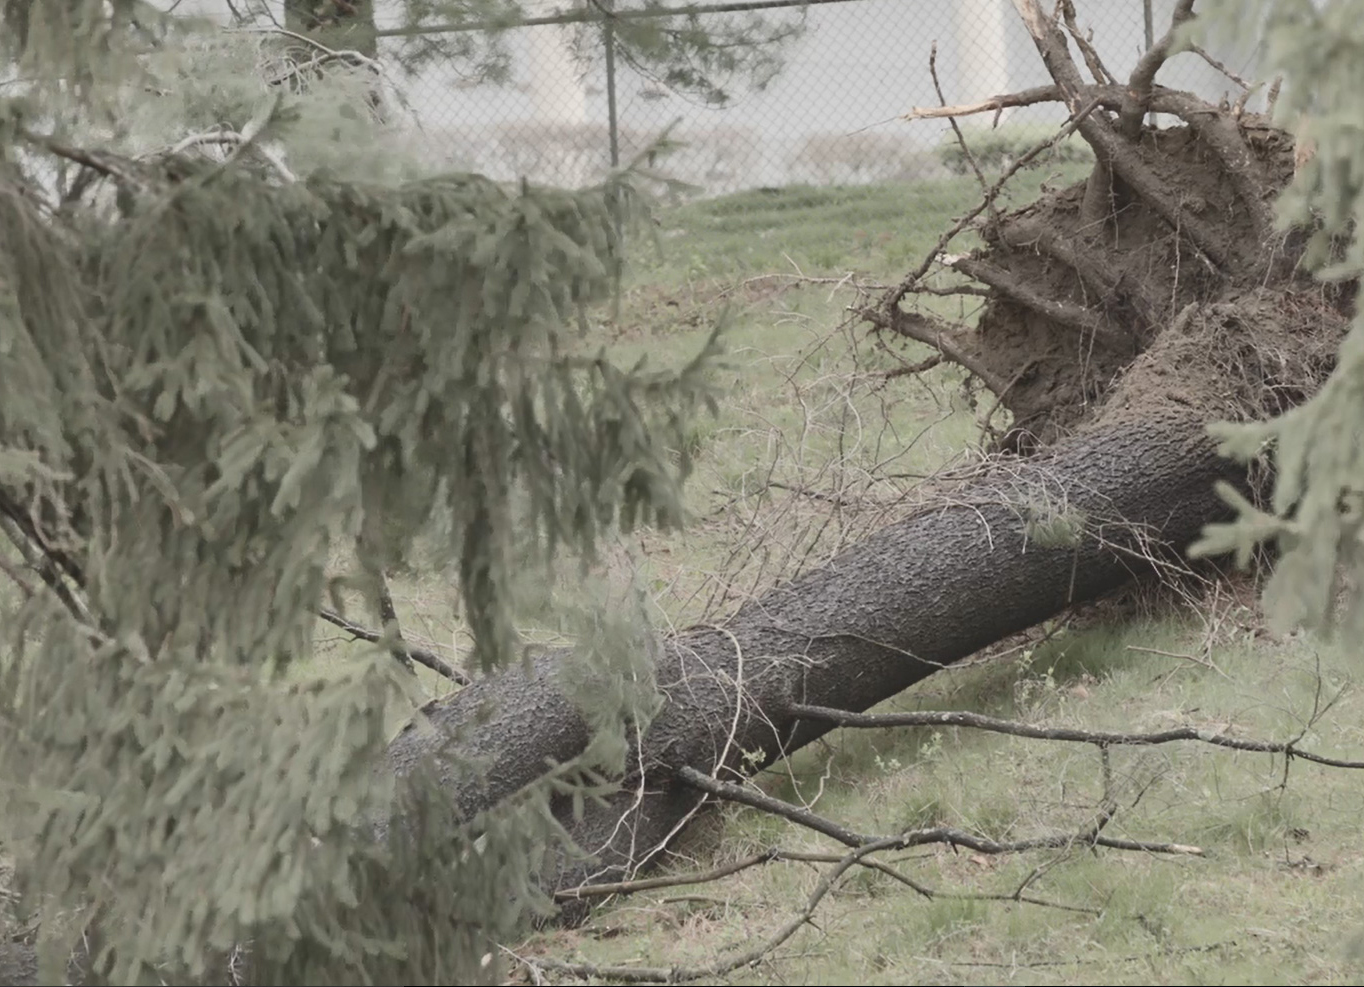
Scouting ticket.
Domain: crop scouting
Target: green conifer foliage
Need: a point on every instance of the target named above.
(212, 372)
(1316, 517)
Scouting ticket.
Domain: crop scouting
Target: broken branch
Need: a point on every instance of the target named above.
(949, 835)
(1091, 56)
(1139, 86)
(911, 281)
(1066, 313)
(1100, 738)
(420, 655)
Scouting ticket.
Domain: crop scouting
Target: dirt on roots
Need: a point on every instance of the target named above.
(1093, 321)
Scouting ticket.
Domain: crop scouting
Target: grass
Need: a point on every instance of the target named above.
(1276, 899)
(814, 446)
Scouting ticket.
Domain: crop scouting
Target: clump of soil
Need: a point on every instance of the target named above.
(1122, 316)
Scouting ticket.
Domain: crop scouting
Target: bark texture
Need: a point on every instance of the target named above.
(883, 615)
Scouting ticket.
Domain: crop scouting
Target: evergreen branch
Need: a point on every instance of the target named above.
(49, 565)
(232, 139)
(1101, 738)
(103, 163)
(27, 524)
(420, 655)
(11, 570)
(248, 139)
(46, 569)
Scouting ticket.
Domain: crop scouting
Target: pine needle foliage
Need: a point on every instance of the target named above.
(695, 52)
(1316, 516)
(216, 373)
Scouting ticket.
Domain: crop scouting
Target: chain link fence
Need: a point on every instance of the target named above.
(574, 101)
(832, 116)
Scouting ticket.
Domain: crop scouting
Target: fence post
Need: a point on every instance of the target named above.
(609, 40)
(1150, 24)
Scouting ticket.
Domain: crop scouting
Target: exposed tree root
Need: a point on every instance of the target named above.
(1160, 280)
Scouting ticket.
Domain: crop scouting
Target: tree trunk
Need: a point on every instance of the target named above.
(881, 616)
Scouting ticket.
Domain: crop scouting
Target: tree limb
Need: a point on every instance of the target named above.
(934, 332)
(1088, 264)
(1076, 316)
(1139, 85)
(949, 835)
(1108, 96)
(420, 655)
(1100, 738)
(1096, 66)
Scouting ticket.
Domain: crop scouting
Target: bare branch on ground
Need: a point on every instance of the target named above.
(1100, 738)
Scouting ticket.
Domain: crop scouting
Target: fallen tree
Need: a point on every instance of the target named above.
(881, 616)
(1123, 315)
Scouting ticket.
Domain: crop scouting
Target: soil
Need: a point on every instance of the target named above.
(1248, 340)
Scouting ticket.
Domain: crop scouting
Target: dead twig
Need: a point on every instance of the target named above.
(1100, 738)
(732, 961)
(1085, 43)
(1221, 67)
(420, 655)
(949, 835)
(910, 282)
(961, 138)
(802, 856)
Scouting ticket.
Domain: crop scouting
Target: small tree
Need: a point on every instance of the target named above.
(1316, 517)
(213, 375)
